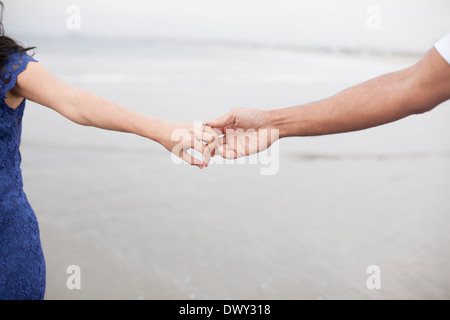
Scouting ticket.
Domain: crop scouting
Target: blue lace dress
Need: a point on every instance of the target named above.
(22, 264)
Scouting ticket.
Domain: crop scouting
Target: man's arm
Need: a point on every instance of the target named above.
(384, 99)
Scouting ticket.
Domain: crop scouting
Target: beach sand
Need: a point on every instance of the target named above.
(141, 227)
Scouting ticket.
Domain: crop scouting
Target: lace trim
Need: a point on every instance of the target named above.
(16, 64)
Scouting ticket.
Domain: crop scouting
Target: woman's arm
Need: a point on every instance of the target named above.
(88, 109)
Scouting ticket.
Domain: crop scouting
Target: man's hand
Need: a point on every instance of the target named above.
(241, 119)
(245, 132)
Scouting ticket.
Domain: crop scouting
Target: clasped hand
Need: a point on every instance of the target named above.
(239, 133)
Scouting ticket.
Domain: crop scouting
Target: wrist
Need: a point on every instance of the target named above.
(156, 130)
(276, 121)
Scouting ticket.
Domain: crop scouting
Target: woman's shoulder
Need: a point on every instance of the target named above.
(15, 60)
(15, 64)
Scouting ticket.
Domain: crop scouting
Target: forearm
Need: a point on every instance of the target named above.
(378, 101)
(83, 107)
(89, 109)
(373, 103)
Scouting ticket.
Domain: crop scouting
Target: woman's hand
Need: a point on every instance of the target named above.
(179, 138)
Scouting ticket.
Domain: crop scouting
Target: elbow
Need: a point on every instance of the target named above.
(425, 85)
(424, 99)
(421, 109)
(419, 98)
(74, 110)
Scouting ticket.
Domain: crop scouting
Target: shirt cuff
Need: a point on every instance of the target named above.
(443, 47)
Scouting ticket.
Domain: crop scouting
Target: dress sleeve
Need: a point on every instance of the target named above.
(16, 64)
(443, 47)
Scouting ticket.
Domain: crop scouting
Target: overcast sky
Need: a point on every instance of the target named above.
(405, 25)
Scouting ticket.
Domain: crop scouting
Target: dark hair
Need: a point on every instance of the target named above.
(8, 45)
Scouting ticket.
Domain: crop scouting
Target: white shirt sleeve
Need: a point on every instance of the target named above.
(443, 47)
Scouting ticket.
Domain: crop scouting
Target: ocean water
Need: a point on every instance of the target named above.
(141, 227)
(353, 25)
